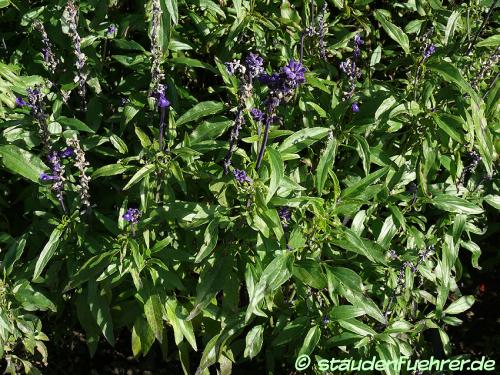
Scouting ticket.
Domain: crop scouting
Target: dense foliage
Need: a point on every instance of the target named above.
(243, 180)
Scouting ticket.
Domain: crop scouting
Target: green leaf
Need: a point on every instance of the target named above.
(346, 312)
(30, 299)
(210, 241)
(254, 341)
(91, 269)
(451, 74)
(492, 41)
(393, 31)
(109, 170)
(309, 272)
(48, 251)
(364, 152)
(154, 313)
(493, 200)
(455, 204)
(142, 337)
(310, 341)
(274, 275)
(362, 184)
(172, 10)
(356, 326)
(302, 139)
(22, 162)
(451, 25)
(74, 123)
(277, 172)
(462, 304)
(194, 63)
(451, 125)
(12, 255)
(118, 143)
(200, 110)
(208, 131)
(143, 138)
(182, 328)
(354, 243)
(99, 308)
(325, 165)
(139, 175)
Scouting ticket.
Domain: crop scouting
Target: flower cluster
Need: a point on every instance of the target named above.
(162, 103)
(282, 86)
(285, 215)
(48, 55)
(322, 31)
(111, 30)
(353, 72)
(56, 176)
(35, 99)
(252, 68)
(69, 152)
(492, 61)
(132, 215)
(157, 90)
(254, 64)
(71, 17)
(241, 176)
(81, 164)
(157, 74)
(429, 51)
(427, 48)
(472, 160)
(401, 276)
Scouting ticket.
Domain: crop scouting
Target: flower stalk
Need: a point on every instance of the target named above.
(71, 16)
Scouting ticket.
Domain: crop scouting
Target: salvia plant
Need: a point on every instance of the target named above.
(224, 186)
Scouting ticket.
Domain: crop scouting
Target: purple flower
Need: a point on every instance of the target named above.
(294, 72)
(163, 102)
(271, 81)
(429, 51)
(124, 101)
(20, 102)
(285, 215)
(355, 107)
(67, 153)
(254, 64)
(257, 114)
(46, 177)
(111, 30)
(358, 40)
(241, 176)
(161, 99)
(234, 67)
(132, 215)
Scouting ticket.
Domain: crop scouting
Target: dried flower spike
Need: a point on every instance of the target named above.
(71, 17)
(157, 74)
(81, 164)
(57, 176)
(48, 55)
(35, 99)
(252, 68)
(350, 68)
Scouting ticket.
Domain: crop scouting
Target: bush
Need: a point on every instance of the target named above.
(243, 182)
